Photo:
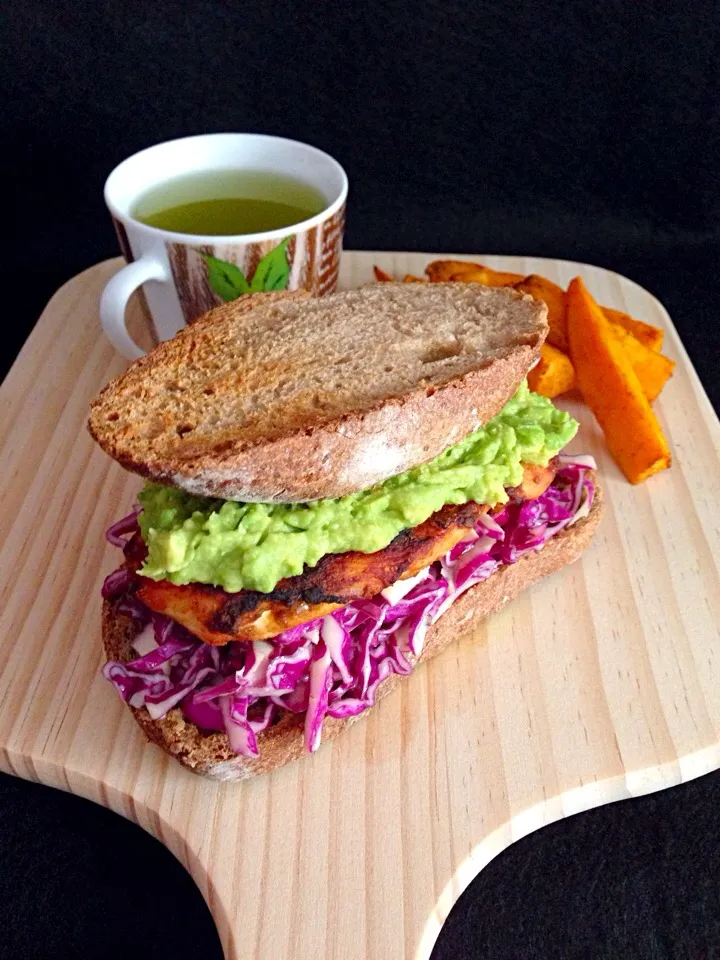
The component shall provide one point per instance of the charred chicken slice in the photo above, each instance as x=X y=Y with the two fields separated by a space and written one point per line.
x=218 y=617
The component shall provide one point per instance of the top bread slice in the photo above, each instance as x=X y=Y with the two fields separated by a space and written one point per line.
x=297 y=398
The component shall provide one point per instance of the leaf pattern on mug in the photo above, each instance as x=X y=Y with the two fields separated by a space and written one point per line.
x=229 y=282
x=273 y=271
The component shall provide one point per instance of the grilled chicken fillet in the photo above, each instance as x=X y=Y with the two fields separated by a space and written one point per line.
x=217 y=617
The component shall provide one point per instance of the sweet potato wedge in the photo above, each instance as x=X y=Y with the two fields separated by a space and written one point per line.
x=652 y=369
x=554 y=374
x=540 y=288
x=381 y=276
x=487 y=277
x=612 y=390
x=443 y=270
x=646 y=333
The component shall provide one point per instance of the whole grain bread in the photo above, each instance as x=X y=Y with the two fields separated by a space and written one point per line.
x=293 y=399
x=211 y=755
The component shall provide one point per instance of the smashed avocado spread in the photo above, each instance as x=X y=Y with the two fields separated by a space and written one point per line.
x=252 y=546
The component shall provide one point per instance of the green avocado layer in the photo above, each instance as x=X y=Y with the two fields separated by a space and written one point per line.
x=252 y=546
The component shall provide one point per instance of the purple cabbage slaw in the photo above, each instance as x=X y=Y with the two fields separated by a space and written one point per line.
x=330 y=667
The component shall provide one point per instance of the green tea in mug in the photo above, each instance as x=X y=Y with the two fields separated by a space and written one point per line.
x=224 y=203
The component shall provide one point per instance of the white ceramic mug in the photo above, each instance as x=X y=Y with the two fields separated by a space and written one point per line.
x=184 y=275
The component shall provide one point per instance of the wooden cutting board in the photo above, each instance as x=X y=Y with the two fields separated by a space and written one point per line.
x=603 y=682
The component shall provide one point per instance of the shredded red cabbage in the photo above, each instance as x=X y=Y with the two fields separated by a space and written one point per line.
x=128 y=525
x=330 y=667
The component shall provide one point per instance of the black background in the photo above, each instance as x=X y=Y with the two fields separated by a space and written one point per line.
x=579 y=130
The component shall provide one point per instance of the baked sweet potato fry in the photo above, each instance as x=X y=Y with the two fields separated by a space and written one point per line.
x=612 y=390
x=554 y=374
x=540 y=288
x=487 y=277
x=443 y=270
x=646 y=333
x=381 y=276
x=652 y=369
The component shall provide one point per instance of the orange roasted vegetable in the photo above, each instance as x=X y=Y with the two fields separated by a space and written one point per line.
x=382 y=276
x=554 y=296
x=554 y=374
x=439 y=270
x=540 y=288
x=646 y=333
x=652 y=369
x=612 y=390
x=487 y=277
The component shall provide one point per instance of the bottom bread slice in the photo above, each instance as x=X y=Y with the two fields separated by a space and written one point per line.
x=210 y=754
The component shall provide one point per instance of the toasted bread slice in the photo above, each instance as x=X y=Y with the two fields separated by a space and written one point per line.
x=297 y=399
x=211 y=755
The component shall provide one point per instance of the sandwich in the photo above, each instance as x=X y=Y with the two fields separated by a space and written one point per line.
x=334 y=489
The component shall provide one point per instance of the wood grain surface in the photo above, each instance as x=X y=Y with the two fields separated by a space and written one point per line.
x=600 y=683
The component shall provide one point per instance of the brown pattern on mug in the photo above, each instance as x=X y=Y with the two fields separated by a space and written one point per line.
x=190 y=275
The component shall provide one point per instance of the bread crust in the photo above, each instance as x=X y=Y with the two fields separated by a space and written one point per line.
x=319 y=447
x=210 y=755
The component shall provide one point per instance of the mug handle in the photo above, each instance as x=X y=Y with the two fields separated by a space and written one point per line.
x=114 y=300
